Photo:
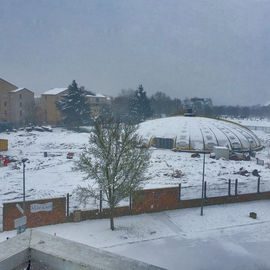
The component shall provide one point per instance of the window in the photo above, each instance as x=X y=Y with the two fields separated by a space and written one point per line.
x=5 y=104
x=20 y=96
x=20 y=113
x=5 y=113
x=20 y=104
x=97 y=99
x=166 y=143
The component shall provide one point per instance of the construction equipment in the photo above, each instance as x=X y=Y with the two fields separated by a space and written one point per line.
x=3 y=145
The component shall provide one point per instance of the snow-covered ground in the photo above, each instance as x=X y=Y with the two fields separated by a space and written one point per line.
x=225 y=237
x=53 y=176
x=252 y=122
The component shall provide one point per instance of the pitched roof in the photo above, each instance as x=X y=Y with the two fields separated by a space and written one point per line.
x=55 y=91
x=20 y=89
x=17 y=90
x=7 y=82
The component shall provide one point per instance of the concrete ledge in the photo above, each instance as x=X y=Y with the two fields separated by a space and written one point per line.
x=61 y=254
x=14 y=260
x=14 y=251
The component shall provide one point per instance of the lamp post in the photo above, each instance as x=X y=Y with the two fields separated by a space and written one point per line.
x=202 y=184
x=24 y=206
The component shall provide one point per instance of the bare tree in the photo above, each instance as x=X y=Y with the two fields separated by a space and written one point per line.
x=116 y=159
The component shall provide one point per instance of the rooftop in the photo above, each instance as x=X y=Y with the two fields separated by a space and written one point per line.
x=55 y=91
x=200 y=133
x=17 y=90
x=49 y=251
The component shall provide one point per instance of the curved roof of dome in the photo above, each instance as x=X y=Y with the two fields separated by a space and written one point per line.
x=199 y=133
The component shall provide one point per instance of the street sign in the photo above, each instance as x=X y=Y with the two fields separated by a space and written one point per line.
x=20 y=222
x=19 y=208
x=37 y=207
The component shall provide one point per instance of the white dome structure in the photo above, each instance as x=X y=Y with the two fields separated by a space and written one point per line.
x=198 y=134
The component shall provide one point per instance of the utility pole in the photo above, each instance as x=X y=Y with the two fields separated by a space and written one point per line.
x=23 y=227
x=203 y=184
x=24 y=206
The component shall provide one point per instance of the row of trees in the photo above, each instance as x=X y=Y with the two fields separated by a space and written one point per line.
x=135 y=106
x=76 y=110
x=160 y=104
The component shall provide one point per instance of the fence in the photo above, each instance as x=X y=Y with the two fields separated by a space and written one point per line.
x=152 y=200
x=222 y=189
x=1 y=218
x=263 y=128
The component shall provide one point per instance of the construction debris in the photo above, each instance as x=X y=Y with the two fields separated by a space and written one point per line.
x=242 y=172
x=255 y=173
x=70 y=155
x=177 y=174
x=253 y=215
x=260 y=161
x=195 y=155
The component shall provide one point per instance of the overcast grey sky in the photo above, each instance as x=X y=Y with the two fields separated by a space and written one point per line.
x=186 y=48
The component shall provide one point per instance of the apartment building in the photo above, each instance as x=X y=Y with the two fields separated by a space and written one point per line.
x=52 y=115
x=16 y=104
x=97 y=102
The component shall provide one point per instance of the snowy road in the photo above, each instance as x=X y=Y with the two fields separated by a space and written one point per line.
x=224 y=238
x=179 y=253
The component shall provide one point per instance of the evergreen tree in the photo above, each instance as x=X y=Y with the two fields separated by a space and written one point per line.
x=139 y=107
x=74 y=107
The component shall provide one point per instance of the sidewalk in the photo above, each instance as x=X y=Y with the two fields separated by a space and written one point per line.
x=225 y=237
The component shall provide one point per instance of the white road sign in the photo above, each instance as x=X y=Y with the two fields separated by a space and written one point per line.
x=20 y=222
x=36 y=207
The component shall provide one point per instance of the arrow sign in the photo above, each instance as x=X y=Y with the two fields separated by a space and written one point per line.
x=19 y=208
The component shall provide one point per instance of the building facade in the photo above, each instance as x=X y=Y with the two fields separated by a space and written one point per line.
x=97 y=103
x=51 y=114
x=16 y=104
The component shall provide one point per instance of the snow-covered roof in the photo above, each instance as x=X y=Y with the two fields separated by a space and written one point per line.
x=20 y=89
x=200 y=133
x=55 y=91
x=17 y=90
x=96 y=95
x=100 y=95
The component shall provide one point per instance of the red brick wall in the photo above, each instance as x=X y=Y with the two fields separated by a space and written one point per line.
x=155 y=200
x=94 y=214
x=167 y=199
x=57 y=215
x=151 y=200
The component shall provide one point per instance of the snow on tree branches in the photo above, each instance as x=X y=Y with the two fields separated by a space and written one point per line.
x=74 y=107
x=116 y=159
x=140 y=108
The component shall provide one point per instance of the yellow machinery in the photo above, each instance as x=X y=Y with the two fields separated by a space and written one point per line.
x=3 y=145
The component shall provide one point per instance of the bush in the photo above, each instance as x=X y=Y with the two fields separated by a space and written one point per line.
x=4 y=126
